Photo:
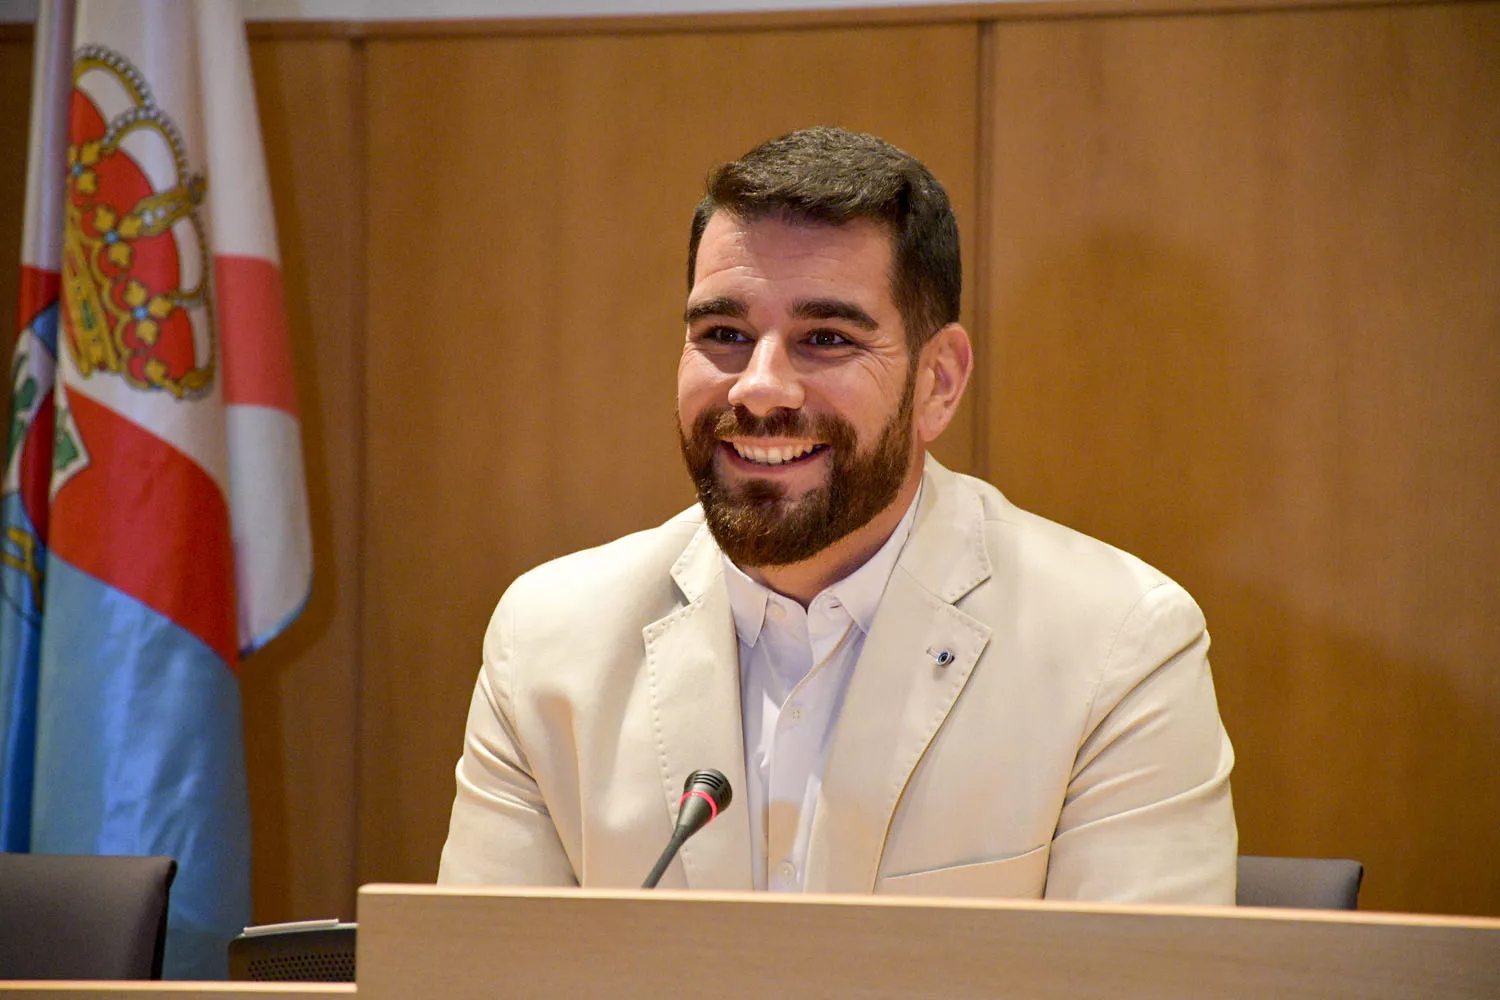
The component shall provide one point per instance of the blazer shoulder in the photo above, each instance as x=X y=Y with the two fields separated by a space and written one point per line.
x=1065 y=566
x=632 y=574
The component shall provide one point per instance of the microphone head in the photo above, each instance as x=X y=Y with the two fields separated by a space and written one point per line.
x=711 y=783
x=705 y=794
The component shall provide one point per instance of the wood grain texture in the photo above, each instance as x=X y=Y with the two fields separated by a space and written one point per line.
x=528 y=217
x=1243 y=276
x=300 y=692
x=418 y=942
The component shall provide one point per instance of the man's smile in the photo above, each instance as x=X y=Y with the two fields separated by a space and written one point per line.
x=768 y=453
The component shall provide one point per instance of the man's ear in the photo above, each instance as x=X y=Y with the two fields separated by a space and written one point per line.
x=942 y=375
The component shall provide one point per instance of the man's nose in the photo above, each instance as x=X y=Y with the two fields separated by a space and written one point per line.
x=769 y=381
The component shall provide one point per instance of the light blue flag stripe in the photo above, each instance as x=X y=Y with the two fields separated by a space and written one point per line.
x=140 y=751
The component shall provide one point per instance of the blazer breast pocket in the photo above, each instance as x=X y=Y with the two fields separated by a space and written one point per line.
x=1021 y=877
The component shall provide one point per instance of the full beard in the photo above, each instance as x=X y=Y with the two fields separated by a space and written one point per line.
x=755 y=523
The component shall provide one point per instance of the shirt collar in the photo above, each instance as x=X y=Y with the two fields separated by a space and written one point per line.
x=859 y=592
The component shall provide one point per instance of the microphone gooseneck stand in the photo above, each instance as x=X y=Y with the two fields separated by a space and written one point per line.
x=705 y=794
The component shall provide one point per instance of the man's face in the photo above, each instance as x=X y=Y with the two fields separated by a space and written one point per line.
x=794 y=392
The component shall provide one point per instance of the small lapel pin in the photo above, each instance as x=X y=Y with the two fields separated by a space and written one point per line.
x=942 y=657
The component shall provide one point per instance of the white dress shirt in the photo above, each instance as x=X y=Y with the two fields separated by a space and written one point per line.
x=795 y=666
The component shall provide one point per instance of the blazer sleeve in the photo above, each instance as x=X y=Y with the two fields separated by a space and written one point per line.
x=1147 y=815
x=500 y=832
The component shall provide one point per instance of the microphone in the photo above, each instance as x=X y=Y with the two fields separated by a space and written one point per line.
x=705 y=794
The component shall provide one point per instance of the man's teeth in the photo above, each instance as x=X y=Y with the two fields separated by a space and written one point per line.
x=773 y=456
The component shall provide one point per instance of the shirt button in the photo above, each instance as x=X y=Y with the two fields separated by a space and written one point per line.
x=775 y=612
x=786 y=871
x=794 y=713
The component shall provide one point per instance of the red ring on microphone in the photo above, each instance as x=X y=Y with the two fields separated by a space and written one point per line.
x=712 y=805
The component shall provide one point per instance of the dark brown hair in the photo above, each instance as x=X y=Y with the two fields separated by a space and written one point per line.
x=832 y=176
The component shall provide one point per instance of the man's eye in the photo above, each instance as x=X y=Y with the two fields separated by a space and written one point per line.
x=826 y=338
x=723 y=335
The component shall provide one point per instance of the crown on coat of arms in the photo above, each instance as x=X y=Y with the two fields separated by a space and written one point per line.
x=135 y=257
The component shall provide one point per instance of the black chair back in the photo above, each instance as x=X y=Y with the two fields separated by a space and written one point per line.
x=1299 y=883
x=83 y=916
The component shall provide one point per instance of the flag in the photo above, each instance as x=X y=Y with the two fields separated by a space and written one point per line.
x=155 y=524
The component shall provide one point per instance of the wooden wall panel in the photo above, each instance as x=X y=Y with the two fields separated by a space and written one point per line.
x=300 y=692
x=528 y=211
x=1244 y=276
x=15 y=114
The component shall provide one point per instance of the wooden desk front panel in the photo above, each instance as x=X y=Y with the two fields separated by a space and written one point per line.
x=418 y=942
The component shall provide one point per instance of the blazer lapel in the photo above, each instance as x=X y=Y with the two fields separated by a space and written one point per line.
x=692 y=663
x=915 y=662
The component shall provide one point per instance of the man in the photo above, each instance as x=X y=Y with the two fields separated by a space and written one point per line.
x=913 y=686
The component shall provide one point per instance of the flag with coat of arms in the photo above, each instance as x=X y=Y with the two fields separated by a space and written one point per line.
x=153 y=519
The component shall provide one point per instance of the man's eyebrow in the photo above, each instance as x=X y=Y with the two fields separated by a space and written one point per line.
x=834 y=309
x=721 y=306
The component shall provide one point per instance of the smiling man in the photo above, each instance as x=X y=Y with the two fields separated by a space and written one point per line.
x=913 y=686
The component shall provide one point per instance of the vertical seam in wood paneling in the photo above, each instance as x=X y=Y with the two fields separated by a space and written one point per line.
x=359 y=114
x=984 y=155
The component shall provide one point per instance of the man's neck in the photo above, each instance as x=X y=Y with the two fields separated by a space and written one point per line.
x=805 y=580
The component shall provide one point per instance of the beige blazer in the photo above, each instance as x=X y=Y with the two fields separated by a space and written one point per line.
x=1071 y=747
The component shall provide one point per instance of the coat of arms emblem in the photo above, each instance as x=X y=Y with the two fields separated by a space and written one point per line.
x=135 y=286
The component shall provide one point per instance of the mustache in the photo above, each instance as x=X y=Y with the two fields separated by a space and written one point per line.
x=737 y=421
x=731 y=422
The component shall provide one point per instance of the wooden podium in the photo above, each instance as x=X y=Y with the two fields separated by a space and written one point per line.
x=451 y=944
